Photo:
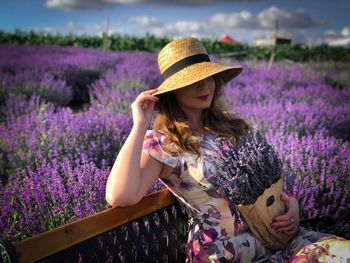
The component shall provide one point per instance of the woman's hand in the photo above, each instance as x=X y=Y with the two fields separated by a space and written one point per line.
x=287 y=223
x=142 y=107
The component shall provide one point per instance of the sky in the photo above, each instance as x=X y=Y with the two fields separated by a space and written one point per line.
x=305 y=21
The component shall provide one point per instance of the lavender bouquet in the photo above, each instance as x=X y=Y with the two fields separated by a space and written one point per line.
x=250 y=175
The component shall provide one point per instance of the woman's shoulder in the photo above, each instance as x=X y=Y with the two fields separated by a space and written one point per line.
x=156 y=134
x=159 y=137
x=161 y=148
x=154 y=131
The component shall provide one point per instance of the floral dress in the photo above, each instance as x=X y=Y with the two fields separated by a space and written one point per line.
x=218 y=233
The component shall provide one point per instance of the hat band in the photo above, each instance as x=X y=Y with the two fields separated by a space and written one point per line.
x=183 y=63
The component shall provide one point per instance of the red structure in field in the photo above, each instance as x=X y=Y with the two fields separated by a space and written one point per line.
x=228 y=39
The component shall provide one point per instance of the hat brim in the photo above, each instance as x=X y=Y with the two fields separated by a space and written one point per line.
x=197 y=72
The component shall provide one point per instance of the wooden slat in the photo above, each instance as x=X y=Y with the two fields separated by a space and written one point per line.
x=55 y=240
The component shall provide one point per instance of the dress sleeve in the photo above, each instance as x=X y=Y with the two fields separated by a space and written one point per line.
x=154 y=144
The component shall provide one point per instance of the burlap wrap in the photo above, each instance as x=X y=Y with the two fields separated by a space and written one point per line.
x=259 y=216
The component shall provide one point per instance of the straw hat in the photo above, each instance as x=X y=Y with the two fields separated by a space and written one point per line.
x=185 y=61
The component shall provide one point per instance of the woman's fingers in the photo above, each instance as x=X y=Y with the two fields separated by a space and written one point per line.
x=286 y=225
x=283 y=223
x=145 y=101
x=142 y=107
x=280 y=224
x=150 y=91
x=290 y=218
x=148 y=96
x=289 y=227
x=289 y=213
x=289 y=221
x=144 y=98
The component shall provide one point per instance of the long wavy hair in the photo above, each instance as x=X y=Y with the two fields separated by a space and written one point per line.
x=171 y=120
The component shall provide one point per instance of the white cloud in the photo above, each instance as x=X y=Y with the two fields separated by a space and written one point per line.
x=145 y=21
x=183 y=28
x=346 y=31
x=313 y=38
x=68 y=5
x=170 y=2
x=100 y=4
x=244 y=26
x=48 y=30
x=331 y=33
x=287 y=18
x=243 y=19
x=341 y=38
x=188 y=26
x=92 y=29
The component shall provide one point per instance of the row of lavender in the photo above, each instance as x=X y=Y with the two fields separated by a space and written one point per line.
x=54 y=162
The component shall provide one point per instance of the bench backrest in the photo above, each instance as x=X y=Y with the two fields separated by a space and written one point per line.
x=154 y=230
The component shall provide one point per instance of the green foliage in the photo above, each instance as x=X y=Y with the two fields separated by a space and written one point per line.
x=127 y=83
x=115 y=42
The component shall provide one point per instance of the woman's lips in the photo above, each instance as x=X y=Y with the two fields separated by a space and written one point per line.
x=205 y=97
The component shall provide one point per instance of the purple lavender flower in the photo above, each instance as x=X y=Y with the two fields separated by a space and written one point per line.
x=41 y=144
x=247 y=169
x=32 y=81
x=57 y=192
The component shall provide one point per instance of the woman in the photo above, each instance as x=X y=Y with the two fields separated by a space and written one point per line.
x=183 y=149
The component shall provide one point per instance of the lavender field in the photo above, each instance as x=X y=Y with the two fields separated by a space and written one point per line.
x=55 y=157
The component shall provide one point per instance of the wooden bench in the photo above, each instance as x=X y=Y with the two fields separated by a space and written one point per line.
x=154 y=230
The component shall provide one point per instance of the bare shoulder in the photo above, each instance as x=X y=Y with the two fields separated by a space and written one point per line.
x=166 y=171
x=154 y=168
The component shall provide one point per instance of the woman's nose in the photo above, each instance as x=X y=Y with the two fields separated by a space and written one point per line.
x=202 y=84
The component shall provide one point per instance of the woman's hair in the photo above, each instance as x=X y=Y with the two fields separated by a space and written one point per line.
x=171 y=120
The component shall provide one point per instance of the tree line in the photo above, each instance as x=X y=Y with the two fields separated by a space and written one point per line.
x=150 y=43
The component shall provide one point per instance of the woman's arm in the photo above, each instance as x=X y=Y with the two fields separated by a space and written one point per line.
x=287 y=223
x=126 y=177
